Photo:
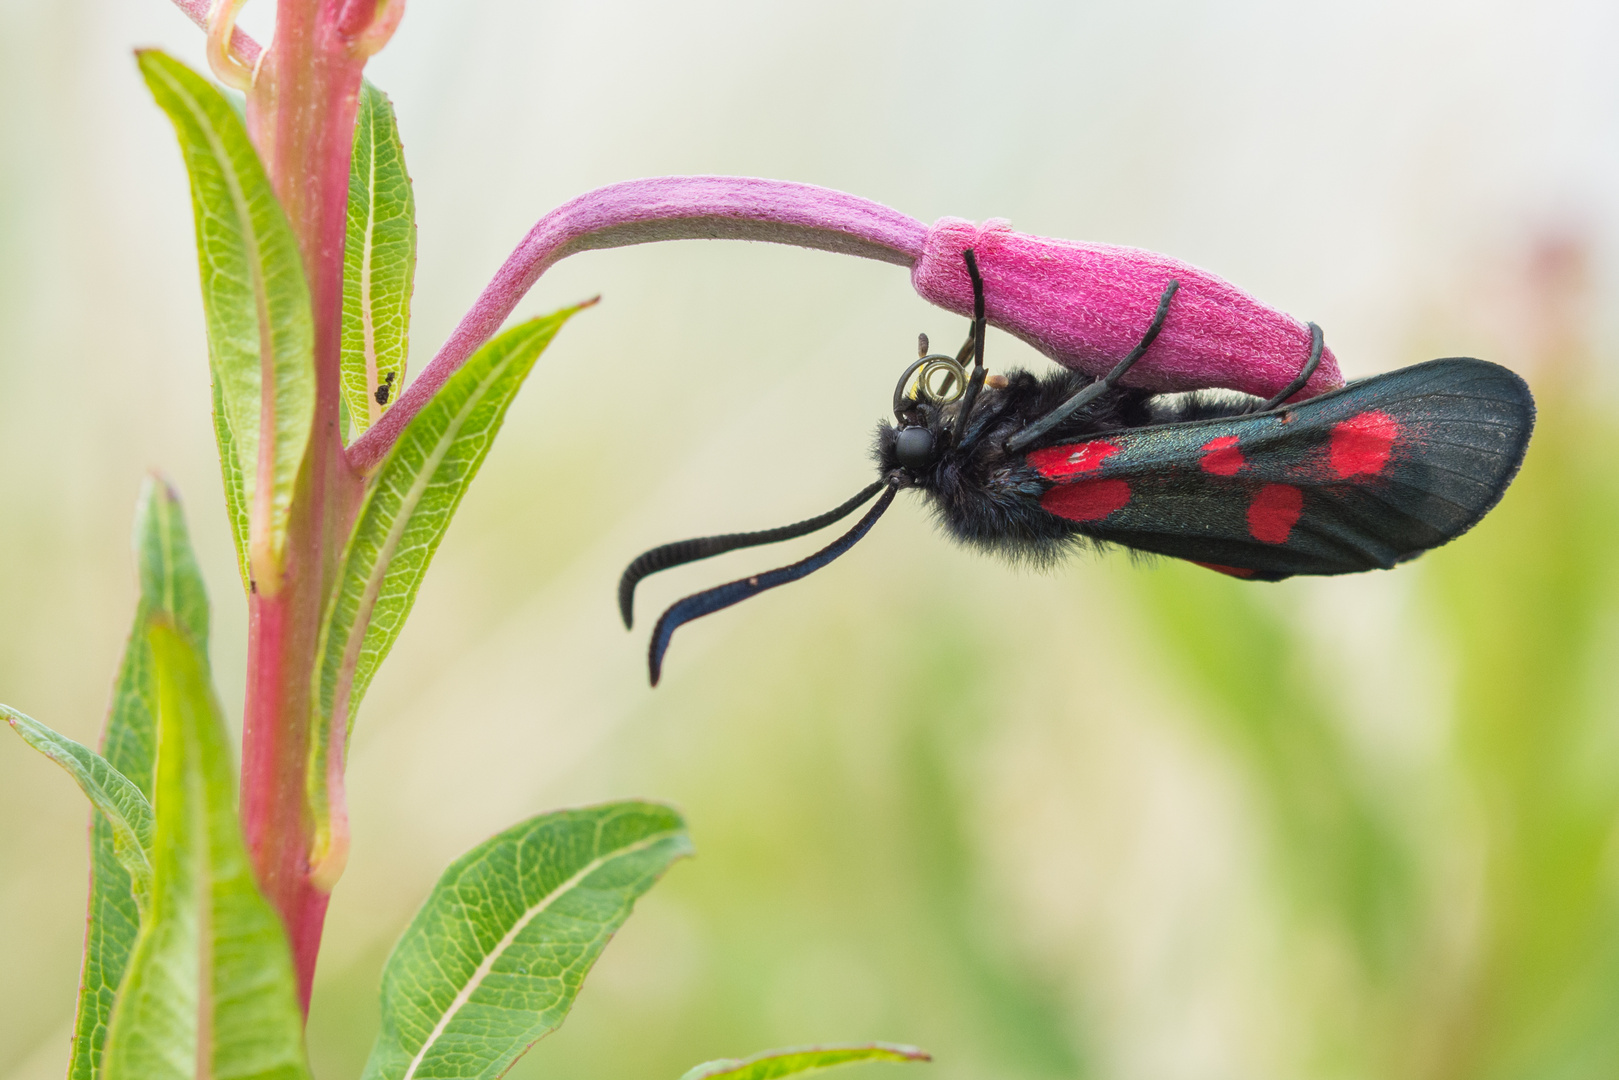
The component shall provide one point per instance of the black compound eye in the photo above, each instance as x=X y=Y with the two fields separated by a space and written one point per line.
x=913 y=446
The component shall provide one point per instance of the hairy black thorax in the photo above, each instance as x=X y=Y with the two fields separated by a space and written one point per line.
x=988 y=498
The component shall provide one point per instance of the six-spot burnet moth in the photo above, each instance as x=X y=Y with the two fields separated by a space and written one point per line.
x=1360 y=478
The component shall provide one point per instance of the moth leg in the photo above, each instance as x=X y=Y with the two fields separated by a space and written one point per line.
x=1297 y=384
x=1101 y=386
x=975 y=339
x=966 y=349
x=975 y=332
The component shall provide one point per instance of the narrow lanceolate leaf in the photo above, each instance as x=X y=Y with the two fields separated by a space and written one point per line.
x=119 y=801
x=406 y=513
x=255 y=299
x=119 y=780
x=379 y=263
x=775 y=1063
x=171 y=583
x=210 y=990
x=496 y=956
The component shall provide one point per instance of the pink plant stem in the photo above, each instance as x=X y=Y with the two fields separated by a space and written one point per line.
x=642 y=212
x=242 y=45
x=274 y=810
x=301 y=114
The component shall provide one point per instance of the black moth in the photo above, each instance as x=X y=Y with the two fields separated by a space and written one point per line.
x=1360 y=478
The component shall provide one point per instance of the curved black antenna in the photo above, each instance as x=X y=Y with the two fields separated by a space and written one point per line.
x=927 y=363
x=901 y=402
x=1028 y=435
x=721 y=597
x=976 y=383
x=1304 y=376
x=703 y=547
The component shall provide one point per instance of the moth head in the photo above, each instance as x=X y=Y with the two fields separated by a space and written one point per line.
x=915 y=447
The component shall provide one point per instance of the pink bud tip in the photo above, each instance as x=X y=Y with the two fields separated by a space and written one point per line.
x=1087 y=305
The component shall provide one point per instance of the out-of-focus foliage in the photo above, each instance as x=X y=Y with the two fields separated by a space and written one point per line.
x=1533 y=612
x=778 y=1063
x=1509 y=967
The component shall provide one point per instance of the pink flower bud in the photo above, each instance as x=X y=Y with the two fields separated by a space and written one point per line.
x=1087 y=305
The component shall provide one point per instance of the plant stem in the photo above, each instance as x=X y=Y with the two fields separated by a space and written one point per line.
x=241 y=44
x=301 y=113
x=641 y=212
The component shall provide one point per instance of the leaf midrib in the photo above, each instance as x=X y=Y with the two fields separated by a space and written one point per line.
x=368 y=330
x=494 y=954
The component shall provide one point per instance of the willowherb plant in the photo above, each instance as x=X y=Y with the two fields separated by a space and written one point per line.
x=207 y=903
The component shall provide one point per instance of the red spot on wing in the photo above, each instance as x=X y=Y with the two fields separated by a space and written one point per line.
x=1221 y=456
x=1361 y=444
x=1088 y=500
x=1060 y=462
x=1234 y=571
x=1274 y=512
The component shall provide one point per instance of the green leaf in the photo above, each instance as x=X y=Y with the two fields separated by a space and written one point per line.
x=379 y=263
x=171 y=582
x=119 y=781
x=775 y=1063
x=110 y=791
x=210 y=990
x=171 y=585
x=235 y=487
x=256 y=304
x=494 y=959
x=406 y=513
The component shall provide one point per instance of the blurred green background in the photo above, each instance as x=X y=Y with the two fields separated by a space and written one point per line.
x=1123 y=820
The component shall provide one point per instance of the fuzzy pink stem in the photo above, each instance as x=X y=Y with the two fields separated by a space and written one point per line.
x=641 y=212
x=301 y=115
x=242 y=45
x=1083 y=305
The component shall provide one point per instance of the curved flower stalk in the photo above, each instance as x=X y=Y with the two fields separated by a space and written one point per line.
x=242 y=46
x=1083 y=305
